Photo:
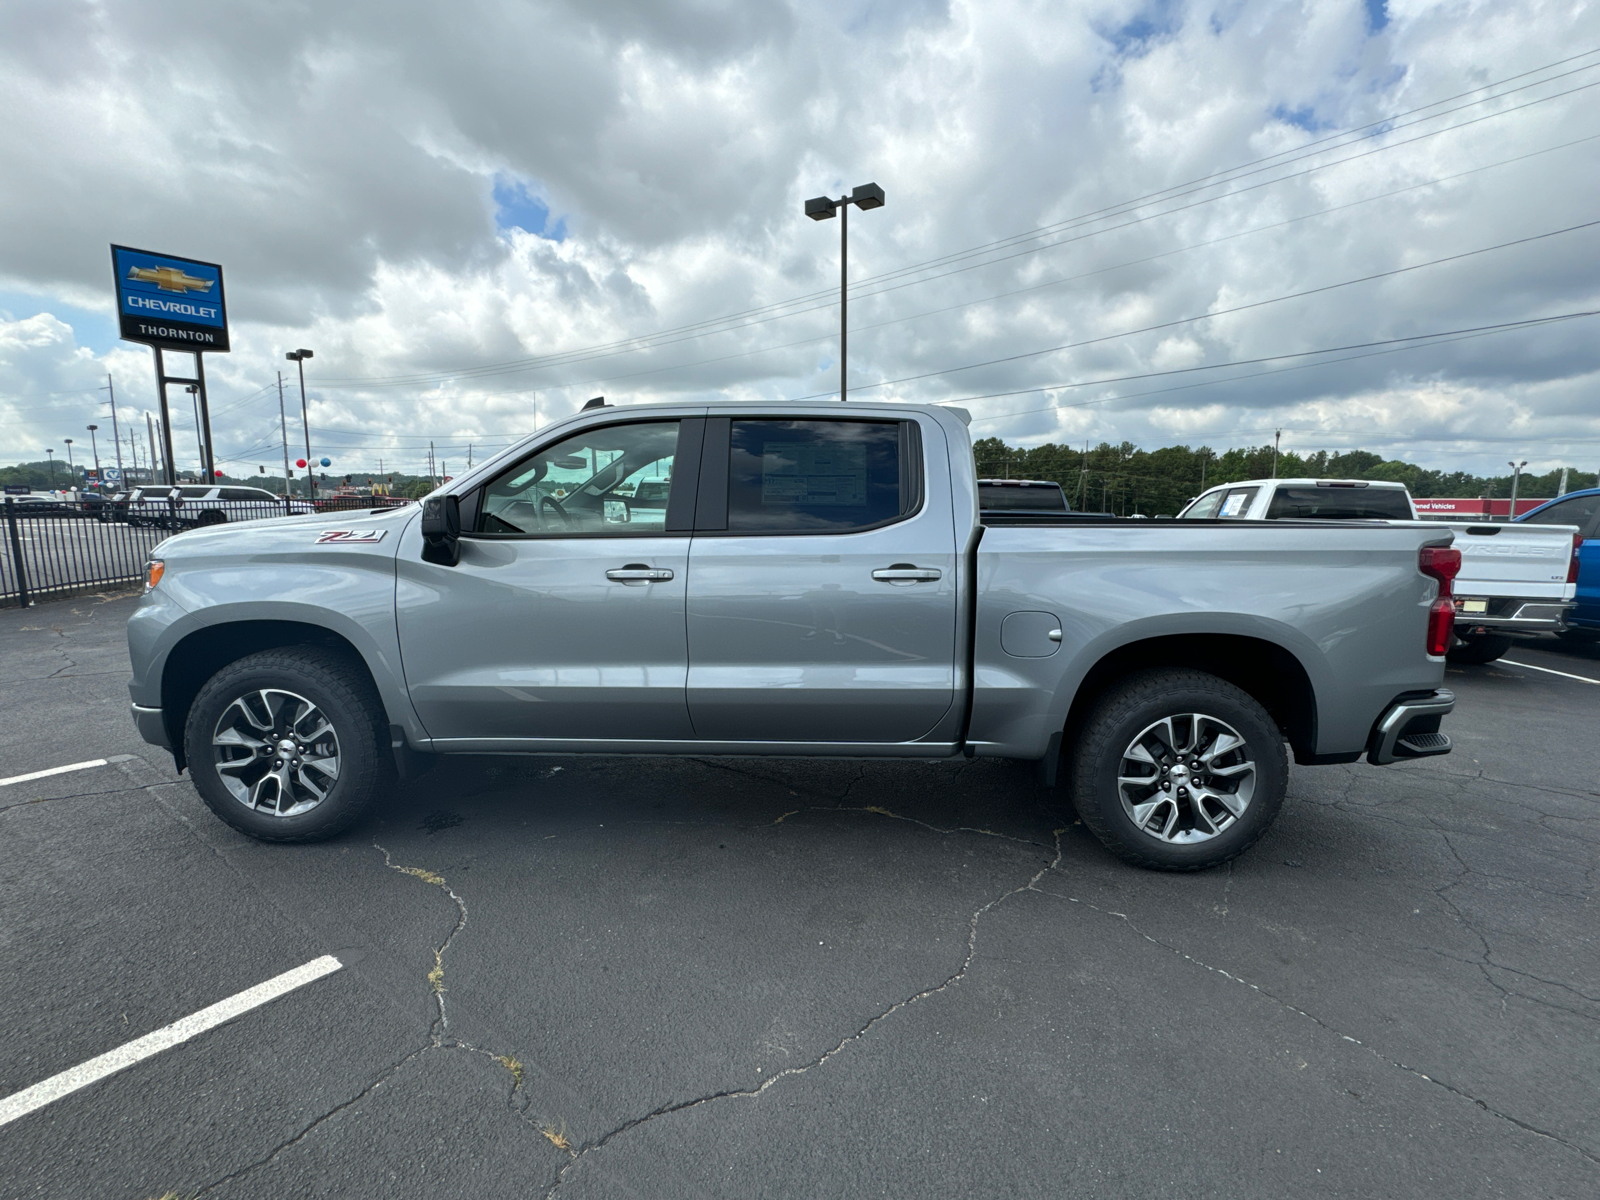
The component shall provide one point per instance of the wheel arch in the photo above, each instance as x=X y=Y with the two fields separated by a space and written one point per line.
x=1264 y=670
x=202 y=653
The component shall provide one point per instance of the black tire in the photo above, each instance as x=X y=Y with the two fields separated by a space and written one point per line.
x=1132 y=706
x=212 y=516
x=340 y=688
x=1473 y=649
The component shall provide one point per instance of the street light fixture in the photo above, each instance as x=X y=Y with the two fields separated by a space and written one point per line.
x=72 y=471
x=51 y=455
x=298 y=357
x=823 y=208
x=95 y=445
x=1516 y=478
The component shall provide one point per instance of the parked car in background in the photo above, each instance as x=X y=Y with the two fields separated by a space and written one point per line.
x=197 y=504
x=1514 y=579
x=1582 y=510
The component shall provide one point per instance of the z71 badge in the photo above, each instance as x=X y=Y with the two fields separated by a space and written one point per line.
x=328 y=536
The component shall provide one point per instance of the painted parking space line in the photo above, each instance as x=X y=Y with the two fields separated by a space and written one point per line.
x=1531 y=667
x=78 y=766
x=26 y=1101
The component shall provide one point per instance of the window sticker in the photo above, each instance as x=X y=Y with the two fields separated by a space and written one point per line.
x=1234 y=504
x=829 y=474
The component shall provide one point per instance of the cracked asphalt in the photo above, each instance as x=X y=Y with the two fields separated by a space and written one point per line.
x=625 y=977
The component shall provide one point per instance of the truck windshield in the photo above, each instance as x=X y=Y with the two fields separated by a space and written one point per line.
x=1340 y=504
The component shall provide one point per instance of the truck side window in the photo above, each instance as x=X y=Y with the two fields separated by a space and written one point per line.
x=819 y=476
x=1204 y=508
x=1579 y=511
x=608 y=481
x=1237 y=502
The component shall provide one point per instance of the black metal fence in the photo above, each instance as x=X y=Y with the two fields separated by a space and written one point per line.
x=53 y=548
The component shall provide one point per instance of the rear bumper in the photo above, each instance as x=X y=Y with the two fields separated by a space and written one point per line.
x=1514 y=616
x=1409 y=728
x=152 y=725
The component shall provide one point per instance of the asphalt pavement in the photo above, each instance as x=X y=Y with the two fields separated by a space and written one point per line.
x=640 y=977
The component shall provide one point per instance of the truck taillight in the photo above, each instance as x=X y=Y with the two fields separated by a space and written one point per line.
x=1442 y=563
x=1572 y=567
x=1441 y=626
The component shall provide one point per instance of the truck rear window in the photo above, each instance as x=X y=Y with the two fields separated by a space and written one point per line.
x=996 y=496
x=1340 y=504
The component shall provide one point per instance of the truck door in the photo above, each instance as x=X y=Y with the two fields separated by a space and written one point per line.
x=822 y=582
x=564 y=618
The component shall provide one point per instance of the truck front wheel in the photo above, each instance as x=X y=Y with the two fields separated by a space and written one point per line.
x=1177 y=770
x=288 y=745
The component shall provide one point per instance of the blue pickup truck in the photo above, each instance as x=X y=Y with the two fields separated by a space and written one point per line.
x=1583 y=510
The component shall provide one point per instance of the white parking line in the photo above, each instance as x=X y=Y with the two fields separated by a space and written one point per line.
x=82 y=1075
x=1546 y=670
x=83 y=766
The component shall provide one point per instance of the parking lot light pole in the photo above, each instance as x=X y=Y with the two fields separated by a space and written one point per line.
x=95 y=446
x=72 y=471
x=298 y=357
x=824 y=208
x=51 y=455
x=1516 y=478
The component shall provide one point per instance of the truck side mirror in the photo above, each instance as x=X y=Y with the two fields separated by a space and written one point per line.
x=441 y=530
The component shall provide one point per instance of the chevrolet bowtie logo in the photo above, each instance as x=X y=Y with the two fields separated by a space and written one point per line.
x=169 y=279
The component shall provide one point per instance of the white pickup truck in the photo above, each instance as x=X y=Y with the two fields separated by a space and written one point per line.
x=1515 y=579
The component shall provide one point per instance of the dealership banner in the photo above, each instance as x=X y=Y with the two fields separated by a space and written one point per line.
x=1475 y=507
x=175 y=303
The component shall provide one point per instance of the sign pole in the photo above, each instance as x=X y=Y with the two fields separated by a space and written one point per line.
x=205 y=417
x=168 y=467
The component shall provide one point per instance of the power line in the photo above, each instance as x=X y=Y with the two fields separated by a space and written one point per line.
x=649 y=341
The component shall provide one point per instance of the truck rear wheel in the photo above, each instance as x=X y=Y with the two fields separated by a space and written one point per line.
x=288 y=745
x=1177 y=770
x=1475 y=648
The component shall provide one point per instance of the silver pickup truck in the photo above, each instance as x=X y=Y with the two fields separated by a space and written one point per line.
x=788 y=579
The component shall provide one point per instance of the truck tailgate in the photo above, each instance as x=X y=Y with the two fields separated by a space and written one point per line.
x=1526 y=561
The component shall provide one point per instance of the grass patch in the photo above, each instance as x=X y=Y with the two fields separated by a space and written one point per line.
x=511 y=1064
x=557 y=1137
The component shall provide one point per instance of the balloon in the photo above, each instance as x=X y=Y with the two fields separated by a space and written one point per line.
x=327 y=462
x=299 y=462
x=219 y=474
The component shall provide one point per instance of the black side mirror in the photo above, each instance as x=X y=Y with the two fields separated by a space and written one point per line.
x=441 y=530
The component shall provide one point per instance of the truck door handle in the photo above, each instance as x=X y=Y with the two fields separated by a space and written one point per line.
x=906 y=573
x=639 y=573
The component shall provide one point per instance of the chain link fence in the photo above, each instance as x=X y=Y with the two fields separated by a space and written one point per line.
x=51 y=547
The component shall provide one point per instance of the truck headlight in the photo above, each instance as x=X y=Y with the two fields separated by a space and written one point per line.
x=153 y=570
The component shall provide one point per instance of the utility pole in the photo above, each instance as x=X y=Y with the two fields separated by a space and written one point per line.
x=116 y=435
x=283 y=428
x=1275 y=439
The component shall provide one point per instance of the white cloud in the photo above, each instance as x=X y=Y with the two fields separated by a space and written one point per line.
x=341 y=162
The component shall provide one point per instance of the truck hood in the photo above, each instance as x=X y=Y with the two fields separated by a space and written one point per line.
x=368 y=531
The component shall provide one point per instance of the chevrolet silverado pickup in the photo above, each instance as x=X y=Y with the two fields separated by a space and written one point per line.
x=1514 y=580
x=785 y=580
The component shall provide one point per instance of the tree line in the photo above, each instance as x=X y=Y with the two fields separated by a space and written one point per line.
x=1126 y=480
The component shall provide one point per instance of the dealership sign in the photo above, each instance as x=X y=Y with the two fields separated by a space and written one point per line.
x=176 y=303
x=1474 y=507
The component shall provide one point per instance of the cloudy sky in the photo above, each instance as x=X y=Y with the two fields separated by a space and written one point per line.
x=1106 y=220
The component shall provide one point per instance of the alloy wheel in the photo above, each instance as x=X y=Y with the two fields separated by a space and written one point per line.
x=1186 y=778
x=276 y=752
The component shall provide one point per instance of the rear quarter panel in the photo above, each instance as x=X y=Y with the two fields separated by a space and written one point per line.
x=1345 y=599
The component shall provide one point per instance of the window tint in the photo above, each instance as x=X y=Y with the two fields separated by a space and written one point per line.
x=194 y=493
x=1237 y=501
x=1340 y=504
x=1579 y=511
x=613 y=480
x=1018 y=498
x=243 y=493
x=813 y=476
x=1204 y=508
